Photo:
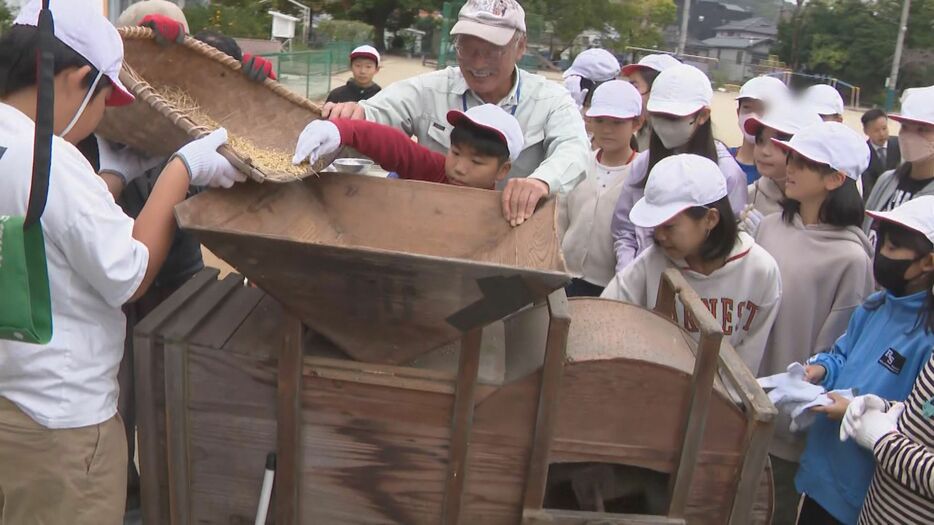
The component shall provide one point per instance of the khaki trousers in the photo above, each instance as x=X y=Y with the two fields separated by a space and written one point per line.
x=74 y=476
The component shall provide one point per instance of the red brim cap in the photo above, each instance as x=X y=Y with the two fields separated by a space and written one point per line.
x=456 y=117
x=786 y=147
x=119 y=96
x=371 y=56
x=753 y=125
x=632 y=68
x=907 y=120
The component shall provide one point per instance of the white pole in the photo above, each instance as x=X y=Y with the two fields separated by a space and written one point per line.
x=266 y=492
x=896 y=60
x=685 y=17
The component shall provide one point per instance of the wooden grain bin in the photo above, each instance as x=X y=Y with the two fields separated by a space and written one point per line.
x=214 y=364
x=386 y=269
x=266 y=114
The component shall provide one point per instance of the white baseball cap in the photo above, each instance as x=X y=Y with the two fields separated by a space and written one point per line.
x=495 y=21
x=825 y=99
x=786 y=116
x=493 y=118
x=831 y=143
x=366 y=52
x=595 y=64
x=765 y=88
x=78 y=26
x=916 y=214
x=675 y=184
x=658 y=62
x=680 y=90
x=616 y=99
x=917 y=106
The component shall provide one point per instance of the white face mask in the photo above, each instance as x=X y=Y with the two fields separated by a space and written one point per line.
x=743 y=117
x=674 y=133
x=914 y=147
x=84 y=104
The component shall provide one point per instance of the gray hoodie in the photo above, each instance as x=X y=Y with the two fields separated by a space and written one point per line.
x=882 y=192
x=826 y=273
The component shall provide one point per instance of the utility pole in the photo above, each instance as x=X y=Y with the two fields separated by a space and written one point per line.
x=685 y=17
x=897 y=58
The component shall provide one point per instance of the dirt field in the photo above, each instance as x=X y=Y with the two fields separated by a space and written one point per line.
x=723 y=108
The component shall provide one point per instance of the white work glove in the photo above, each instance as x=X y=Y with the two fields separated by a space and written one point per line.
x=866 y=423
x=123 y=161
x=318 y=139
x=573 y=85
x=750 y=219
x=206 y=166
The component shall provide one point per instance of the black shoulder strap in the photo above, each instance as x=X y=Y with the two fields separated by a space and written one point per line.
x=45 y=109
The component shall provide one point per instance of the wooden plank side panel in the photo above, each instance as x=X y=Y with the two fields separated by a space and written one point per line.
x=150 y=418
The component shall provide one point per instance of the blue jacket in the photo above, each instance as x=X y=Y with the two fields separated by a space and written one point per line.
x=882 y=352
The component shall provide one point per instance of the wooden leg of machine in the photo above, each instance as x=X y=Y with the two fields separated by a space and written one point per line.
x=461 y=425
x=559 y=325
x=289 y=427
x=706 y=363
x=176 y=431
x=757 y=453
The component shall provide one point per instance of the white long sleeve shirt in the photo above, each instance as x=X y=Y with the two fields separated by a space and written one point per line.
x=743 y=295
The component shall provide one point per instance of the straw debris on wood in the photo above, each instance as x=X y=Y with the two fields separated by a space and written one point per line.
x=270 y=161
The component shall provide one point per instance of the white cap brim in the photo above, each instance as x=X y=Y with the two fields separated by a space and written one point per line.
x=669 y=107
x=908 y=120
x=892 y=217
x=608 y=111
x=645 y=215
x=499 y=36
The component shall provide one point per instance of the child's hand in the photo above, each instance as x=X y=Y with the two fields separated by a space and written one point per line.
x=520 y=198
x=257 y=68
x=319 y=138
x=814 y=373
x=167 y=29
x=837 y=410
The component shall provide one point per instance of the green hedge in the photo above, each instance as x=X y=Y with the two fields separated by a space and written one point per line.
x=344 y=31
x=244 y=22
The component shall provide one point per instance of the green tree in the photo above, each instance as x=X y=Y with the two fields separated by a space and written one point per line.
x=6 y=17
x=381 y=14
x=854 y=40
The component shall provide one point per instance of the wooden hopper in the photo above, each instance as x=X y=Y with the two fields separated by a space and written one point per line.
x=265 y=118
x=386 y=269
x=219 y=385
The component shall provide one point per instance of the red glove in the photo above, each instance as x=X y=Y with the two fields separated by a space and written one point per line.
x=167 y=29
x=257 y=68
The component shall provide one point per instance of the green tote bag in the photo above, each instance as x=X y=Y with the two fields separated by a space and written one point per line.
x=25 y=300
x=25 y=306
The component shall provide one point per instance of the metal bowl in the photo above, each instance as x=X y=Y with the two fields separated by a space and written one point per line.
x=353 y=165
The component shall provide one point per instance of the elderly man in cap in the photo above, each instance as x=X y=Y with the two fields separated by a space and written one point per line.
x=489 y=38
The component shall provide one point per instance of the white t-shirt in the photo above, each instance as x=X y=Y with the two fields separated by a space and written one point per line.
x=743 y=295
x=94 y=266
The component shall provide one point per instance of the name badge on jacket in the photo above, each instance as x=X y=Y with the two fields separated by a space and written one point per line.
x=893 y=361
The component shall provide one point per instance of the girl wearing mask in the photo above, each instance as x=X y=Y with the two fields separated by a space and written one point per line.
x=755 y=98
x=679 y=106
x=915 y=177
x=781 y=122
x=886 y=345
x=687 y=208
x=642 y=76
x=584 y=216
x=824 y=259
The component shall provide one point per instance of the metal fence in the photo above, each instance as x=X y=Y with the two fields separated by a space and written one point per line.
x=309 y=73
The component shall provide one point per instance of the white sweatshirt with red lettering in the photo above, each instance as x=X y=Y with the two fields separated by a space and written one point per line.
x=743 y=295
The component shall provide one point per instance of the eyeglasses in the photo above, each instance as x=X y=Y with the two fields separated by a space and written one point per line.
x=491 y=53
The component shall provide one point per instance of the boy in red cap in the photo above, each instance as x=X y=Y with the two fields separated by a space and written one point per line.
x=364 y=63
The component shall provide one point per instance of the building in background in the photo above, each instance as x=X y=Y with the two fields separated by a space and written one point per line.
x=739 y=46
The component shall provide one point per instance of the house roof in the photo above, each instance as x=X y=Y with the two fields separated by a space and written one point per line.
x=751 y=25
x=733 y=42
